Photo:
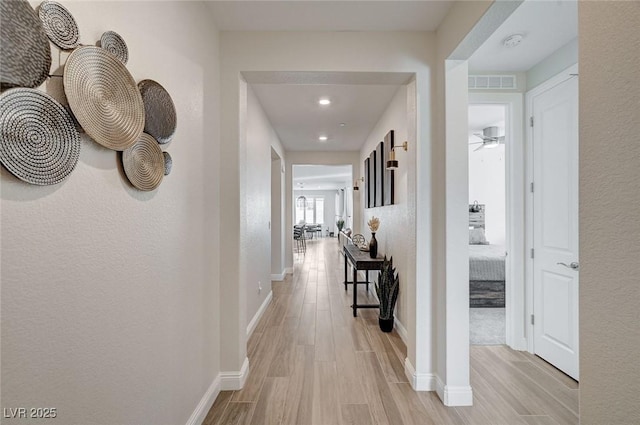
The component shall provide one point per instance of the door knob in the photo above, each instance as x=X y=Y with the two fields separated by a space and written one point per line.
x=575 y=265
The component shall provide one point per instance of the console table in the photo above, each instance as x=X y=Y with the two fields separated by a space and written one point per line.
x=360 y=261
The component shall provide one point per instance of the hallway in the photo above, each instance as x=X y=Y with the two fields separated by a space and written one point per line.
x=311 y=362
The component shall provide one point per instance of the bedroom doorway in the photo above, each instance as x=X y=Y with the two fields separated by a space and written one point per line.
x=496 y=223
x=487 y=224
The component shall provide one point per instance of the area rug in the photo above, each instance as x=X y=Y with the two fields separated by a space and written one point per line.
x=487 y=326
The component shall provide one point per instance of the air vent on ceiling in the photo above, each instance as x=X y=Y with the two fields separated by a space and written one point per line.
x=492 y=82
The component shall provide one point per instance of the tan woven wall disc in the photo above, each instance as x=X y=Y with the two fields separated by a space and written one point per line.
x=144 y=163
x=104 y=97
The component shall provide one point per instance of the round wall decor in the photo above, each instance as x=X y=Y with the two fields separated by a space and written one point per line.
x=103 y=97
x=24 y=47
x=159 y=111
x=168 y=163
x=39 y=142
x=114 y=44
x=59 y=24
x=144 y=163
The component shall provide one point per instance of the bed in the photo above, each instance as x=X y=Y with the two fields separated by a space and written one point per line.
x=486 y=264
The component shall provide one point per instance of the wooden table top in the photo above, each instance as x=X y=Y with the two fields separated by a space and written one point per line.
x=361 y=259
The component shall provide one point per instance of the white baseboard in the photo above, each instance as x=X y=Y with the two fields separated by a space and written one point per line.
x=256 y=317
x=520 y=346
x=278 y=277
x=288 y=270
x=419 y=381
x=454 y=396
x=402 y=331
x=232 y=381
x=199 y=415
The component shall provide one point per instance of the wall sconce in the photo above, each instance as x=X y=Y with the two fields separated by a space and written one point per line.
x=355 y=184
x=392 y=163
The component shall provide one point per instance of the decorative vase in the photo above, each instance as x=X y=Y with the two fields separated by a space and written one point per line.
x=373 y=246
x=386 y=325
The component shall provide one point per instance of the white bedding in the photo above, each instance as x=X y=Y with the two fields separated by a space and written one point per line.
x=486 y=262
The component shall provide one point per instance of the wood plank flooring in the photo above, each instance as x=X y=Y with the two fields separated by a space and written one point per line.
x=313 y=363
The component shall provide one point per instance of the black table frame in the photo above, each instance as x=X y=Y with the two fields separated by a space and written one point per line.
x=359 y=261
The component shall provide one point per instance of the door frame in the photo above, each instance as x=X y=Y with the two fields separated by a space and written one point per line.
x=515 y=210
x=559 y=78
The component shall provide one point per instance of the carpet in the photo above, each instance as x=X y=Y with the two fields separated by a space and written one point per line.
x=487 y=326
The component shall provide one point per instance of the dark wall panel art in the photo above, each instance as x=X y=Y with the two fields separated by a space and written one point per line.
x=388 y=174
x=366 y=183
x=372 y=179
x=380 y=169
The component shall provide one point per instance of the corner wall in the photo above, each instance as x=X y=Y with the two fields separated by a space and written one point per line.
x=110 y=296
x=609 y=205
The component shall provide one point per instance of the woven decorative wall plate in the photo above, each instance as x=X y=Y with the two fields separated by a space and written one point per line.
x=39 y=142
x=59 y=25
x=159 y=111
x=168 y=163
x=103 y=97
x=114 y=44
x=144 y=163
x=24 y=47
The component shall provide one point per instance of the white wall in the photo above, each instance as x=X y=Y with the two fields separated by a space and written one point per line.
x=553 y=64
x=255 y=255
x=110 y=296
x=397 y=233
x=277 y=217
x=487 y=186
x=329 y=206
x=609 y=205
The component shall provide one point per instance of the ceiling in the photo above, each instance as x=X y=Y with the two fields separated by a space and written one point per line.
x=545 y=25
x=299 y=120
x=321 y=177
x=328 y=15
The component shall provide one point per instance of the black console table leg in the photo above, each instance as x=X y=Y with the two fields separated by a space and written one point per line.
x=367 y=272
x=345 y=271
x=355 y=292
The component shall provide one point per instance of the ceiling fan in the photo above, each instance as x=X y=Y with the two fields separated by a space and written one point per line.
x=490 y=138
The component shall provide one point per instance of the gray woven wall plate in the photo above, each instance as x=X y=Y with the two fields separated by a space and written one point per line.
x=168 y=163
x=114 y=44
x=143 y=163
x=159 y=111
x=59 y=24
x=24 y=47
x=103 y=97
x=38 y=140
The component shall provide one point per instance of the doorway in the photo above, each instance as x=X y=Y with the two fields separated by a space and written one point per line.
x=487 y=224
x=322 y=199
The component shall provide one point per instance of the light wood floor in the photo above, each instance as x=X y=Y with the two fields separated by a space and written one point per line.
x=312 y=363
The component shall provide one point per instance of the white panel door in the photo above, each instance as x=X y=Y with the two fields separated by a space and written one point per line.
x=555 y=225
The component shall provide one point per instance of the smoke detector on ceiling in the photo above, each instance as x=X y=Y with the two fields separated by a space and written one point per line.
x=513 y=40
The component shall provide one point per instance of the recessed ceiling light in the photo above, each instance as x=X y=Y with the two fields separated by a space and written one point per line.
x=323 y=138
x=512 y=41
x=342 y=124
x=324 y=102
